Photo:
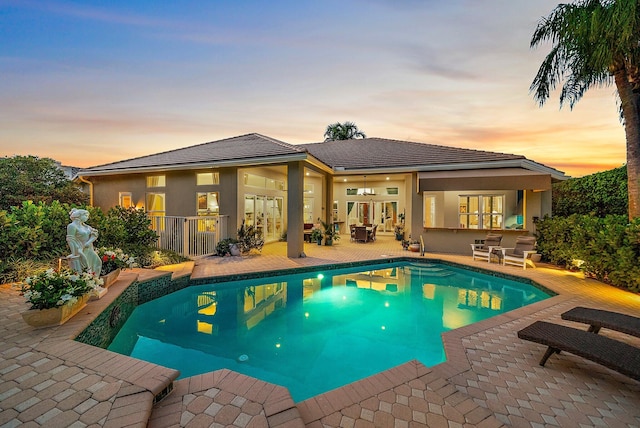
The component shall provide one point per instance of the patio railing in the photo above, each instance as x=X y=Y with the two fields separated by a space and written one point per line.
x=190 y=236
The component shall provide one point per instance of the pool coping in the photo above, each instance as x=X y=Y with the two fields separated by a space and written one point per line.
x=156 y=382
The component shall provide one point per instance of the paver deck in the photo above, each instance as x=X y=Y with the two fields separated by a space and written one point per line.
x=490 y=379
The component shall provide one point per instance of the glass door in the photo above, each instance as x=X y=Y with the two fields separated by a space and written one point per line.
x=385 y=215
x=249 y=210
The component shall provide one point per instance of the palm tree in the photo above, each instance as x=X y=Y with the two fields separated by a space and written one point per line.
x=596 y=43
x=343 y=131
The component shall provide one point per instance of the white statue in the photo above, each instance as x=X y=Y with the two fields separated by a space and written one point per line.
x=80 y=237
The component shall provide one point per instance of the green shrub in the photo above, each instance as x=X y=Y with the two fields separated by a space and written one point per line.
x=17 y=269
x=599 y=194
x=607 y=248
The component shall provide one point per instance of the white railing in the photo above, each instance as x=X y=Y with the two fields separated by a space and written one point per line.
x=189 y=236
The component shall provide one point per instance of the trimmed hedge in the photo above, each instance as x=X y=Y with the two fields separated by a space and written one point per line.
x=606 y=248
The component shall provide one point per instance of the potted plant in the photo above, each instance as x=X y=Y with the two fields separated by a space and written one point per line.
x=113 y=261
x=399 y=231
x=227 y=247
x=55 y=296
x=316 y=235
x=330 y=233
x=249 y=238
x=414 y=246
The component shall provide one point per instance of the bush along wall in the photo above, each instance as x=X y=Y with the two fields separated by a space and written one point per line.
x=605 y=248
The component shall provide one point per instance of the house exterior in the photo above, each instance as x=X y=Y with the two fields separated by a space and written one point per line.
x=449 y=196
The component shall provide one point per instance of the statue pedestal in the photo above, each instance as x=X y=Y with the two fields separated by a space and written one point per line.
x=74 y=263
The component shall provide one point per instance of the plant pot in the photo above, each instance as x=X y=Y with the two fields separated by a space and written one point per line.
x=40 y=318
x=320 y=241
x=328 y=242
x=536 y=257
x=234 y=250
x=110 y=278
x=414 y=248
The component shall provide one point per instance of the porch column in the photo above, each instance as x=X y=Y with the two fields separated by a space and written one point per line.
x=415 y=209
x=229 y=199
x=295 y=209
x=328 y=198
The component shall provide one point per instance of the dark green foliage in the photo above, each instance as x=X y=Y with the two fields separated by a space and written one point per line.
x=605 y=248
x=37 y=232
x=598 y=194
x=249 y=238
x=224 y=246
x=29 y=178
x=343 y=131
x=126 y=228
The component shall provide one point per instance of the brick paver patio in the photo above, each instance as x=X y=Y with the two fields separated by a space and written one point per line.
x=490 y=379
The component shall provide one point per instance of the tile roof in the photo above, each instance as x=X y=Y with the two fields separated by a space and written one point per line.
x=385 y=153
x=241 y=148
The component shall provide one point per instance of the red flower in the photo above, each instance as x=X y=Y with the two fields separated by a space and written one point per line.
x=105 y=258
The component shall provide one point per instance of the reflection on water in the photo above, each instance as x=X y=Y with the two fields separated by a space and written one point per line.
x=315 y=332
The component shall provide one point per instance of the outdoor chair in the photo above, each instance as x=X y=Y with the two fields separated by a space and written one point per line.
x=616 y=355
x=361 y=234
x=521 y=253
x=372 y=234
x=484 y=250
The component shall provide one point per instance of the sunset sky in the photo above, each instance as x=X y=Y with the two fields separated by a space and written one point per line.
x=89 y=83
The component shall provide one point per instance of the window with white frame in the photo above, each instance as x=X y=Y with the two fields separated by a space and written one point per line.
x=156 y=181
x=429 y=212
x=481 y=211
x=208 y=203
x=125 y=199
x=155 y=204
x=207 y=178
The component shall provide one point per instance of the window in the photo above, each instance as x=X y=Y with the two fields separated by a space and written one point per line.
x=208 y=203
x=429 y=211
x=262 y=182
x=207 y=178
x=308 y=210
x=308 y=188
x=481 y=211
x=125 y=199
x=155 y=204
x=156 y=181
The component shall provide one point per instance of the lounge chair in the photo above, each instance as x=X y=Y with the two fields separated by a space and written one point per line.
x=521 y=253
x=598 y=318
x=485 y=250
x=608 y=352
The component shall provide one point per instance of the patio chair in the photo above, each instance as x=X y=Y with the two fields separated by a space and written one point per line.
x=598 y=318
x=616 y=355
x=372 y=234
x=484 y=250
x=521 y=253
x=361 y=234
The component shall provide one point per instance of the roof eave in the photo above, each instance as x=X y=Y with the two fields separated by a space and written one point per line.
x=199 y=165
x=509 y=163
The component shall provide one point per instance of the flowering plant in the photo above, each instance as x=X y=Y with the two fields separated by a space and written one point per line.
x=114 y=259
x=51 y=289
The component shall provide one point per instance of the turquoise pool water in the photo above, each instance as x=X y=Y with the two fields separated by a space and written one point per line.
x=314 y=332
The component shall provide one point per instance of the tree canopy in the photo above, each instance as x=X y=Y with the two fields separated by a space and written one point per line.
x=596 y=43
x=599 y=194
x=29 y=178
x=343 y=131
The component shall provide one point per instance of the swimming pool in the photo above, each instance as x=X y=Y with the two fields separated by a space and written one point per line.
x=313 y=332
